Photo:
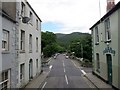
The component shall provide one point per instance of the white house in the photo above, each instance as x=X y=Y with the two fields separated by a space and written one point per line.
x=20 y=43
x=106 y=46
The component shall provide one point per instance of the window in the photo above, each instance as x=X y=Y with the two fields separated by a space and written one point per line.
x=31 y=17
x=5 y=40
x=30 y=43
x=96 y=35
x=107 y=30
x=98 y=61
x=5 y=81
x=36 y=63
x=36 y=24
x=22 y=41
x=23 y=9
x=36 y=44
x=22 y=67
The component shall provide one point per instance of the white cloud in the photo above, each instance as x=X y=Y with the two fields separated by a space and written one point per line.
x=74 y=14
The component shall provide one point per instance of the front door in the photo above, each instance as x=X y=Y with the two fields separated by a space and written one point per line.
x=30 y=69
x=109 y=67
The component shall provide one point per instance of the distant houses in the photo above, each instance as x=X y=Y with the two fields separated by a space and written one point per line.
x=106 y=47
x=20 y=39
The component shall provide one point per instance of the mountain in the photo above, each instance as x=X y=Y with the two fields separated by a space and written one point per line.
x=65 y=39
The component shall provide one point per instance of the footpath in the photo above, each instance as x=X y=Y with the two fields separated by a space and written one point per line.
x=97 y=82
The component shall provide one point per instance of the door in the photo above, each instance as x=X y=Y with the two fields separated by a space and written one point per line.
x=30 y=69
x=109 y=67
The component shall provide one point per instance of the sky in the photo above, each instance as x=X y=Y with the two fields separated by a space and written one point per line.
x=67 y=16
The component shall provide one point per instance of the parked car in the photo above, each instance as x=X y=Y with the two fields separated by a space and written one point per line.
x=66 y=57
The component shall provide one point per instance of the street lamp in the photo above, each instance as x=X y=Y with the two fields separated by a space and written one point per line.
x=81 y=51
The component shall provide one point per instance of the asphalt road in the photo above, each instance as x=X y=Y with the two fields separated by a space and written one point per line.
x=64 y=74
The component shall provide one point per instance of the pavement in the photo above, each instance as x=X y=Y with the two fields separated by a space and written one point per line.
x=98 y=83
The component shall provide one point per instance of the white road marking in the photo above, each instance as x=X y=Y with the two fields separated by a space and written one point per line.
x=44 y=85
x=74 y=64
x=64 y=69
x=66 y=79
x=84 y=73
x=63 y=64
x=50 y=66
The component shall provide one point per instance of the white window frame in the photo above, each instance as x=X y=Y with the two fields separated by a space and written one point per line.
x=30 y=42
x=22 y=41
x=98 y=61
x=22 y=72
x=96 y=35
x=5 y=83
x=37 y=65
x=22 y=9
x=107 y=30
x=31 y=17
x=5 y=40
x=36 y=44
x=37 y=24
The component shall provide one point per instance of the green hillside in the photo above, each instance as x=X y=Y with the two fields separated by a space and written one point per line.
x=65 y=39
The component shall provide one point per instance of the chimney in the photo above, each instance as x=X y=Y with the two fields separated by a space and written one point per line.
x=110 y=5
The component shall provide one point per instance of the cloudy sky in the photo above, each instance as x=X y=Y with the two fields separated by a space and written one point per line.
x=66 y=16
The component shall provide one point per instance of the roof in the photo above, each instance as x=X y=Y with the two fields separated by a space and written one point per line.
x=33 y=10
x=115 y=8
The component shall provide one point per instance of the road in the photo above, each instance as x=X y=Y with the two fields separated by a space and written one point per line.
x=64 y=74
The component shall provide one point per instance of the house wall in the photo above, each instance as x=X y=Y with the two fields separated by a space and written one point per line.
x=24 y=57
x=0 y=44
x=119 y=48
x=100 y=48
x=8 y=57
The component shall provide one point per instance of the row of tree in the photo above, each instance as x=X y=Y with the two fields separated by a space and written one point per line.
x=49 y=44
x=82 y=48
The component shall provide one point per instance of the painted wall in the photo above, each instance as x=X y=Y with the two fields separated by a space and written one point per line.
x=24 y=57
x=8 y=57
x=100 y=48
x=119 y=48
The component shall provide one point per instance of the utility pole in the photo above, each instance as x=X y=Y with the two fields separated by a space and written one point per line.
x=81 y=50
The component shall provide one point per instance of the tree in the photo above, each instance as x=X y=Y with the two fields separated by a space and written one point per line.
x=49 y=44
x=82 y=46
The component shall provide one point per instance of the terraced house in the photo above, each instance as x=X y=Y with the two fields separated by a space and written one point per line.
x=20 y=39
x=106 y=46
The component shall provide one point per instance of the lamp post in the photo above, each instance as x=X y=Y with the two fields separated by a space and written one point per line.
x=81 y=51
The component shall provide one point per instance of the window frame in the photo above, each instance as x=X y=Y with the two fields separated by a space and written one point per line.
x=98 y=62
x=37 y=23
x=31 y=17
x=107 y=30
x=5 y=43
x=23 y=9
x=22 y=41
x=22 y=71
x=37 y=44
x=96 y=36
x=30 y=42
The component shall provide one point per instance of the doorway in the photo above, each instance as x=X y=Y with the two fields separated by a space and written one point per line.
x=109 y=67
x=30 y=69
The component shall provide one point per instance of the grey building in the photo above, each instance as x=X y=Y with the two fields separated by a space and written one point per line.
x=20 y=49
x=7 y=55
x=106 y=47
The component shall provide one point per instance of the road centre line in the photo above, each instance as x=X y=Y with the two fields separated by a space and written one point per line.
x=63 y=64
x=44 y=85
x=64 y=69
x=50 y=67
x=66 y=79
